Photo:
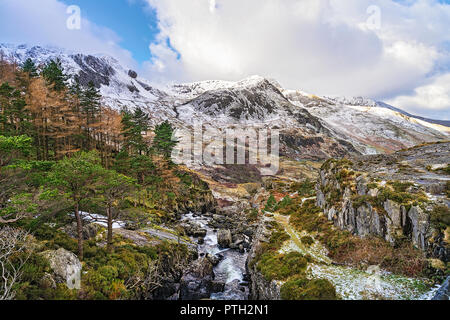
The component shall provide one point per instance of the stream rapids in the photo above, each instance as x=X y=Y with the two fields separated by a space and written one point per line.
x=231 y=270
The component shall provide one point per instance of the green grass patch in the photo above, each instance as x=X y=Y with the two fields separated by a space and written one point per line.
x=300 y=288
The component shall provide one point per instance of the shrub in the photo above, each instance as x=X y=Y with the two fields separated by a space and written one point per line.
x=31 y=286
x=400 y=186
x=300 y=288
x=283 y=203
x=280 y=267
x=307 y=240
x=271 y=203
x=440 y=217
x=305 y=188
x=253 y=214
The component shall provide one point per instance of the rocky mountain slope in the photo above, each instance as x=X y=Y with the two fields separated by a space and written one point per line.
x=311 y=127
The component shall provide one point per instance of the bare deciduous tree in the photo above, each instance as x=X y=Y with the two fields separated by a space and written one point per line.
x=146 y=283
x=14 y=253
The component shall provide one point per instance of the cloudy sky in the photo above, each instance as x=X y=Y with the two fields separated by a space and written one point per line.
x=396 y=51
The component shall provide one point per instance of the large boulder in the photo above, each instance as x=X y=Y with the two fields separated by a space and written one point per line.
x=65 y=265
x=224 y=238
x=90 y=230
x=198 y=281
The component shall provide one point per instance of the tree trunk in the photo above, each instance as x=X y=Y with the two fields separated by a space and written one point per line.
x=79 y=231
x=110 y=229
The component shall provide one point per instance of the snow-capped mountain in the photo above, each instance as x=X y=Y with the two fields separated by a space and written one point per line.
x=369 y=125
x=311 y=127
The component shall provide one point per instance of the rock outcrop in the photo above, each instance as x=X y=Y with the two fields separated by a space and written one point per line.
x=372 y=205
x=261 y=288
x=133 y=74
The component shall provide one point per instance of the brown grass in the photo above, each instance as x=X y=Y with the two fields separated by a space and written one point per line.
x=404 y=259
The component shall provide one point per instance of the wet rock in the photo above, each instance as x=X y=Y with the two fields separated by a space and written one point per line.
x=224 y=238
x=444 y=292
x=199 y=233
x=174 y=297
x=201 y=241
x=217 y=286
x=235 y=291
x=214 y=259
x=169 y=290
x=197 y=282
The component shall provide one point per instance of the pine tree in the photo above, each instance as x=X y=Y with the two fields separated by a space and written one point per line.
x=75 y=178
x=90 y=106
x=53 y=73
x=141 y=122
x=30 y=68
x=90 y=101
x=134 y=126
x=6 y=97
x=13 y=116
x=163 y=142
x=112 y=187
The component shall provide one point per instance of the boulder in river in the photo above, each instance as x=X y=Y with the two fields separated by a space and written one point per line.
x=214 y=259
x=224 y=238
x=197 y=282
x=199 y=233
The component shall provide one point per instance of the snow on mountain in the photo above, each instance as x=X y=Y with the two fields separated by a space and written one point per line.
x=117 y=84
x=311 y=126
x=370 y=127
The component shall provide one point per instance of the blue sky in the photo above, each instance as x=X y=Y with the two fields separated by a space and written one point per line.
x=134 y=21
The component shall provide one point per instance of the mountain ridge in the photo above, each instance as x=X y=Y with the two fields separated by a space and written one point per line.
x=311 y=126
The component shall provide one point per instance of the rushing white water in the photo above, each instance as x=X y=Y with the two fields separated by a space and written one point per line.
x=231 y=268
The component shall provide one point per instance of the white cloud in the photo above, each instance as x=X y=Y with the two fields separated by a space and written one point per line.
x=321 y=46
x=325 y=47
x=433 y=97
x=43 y=22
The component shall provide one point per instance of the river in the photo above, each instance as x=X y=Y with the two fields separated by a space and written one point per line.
x=232 y=268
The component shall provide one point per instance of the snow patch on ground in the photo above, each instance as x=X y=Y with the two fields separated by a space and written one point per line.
x=353 y=284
